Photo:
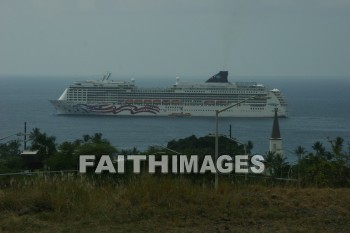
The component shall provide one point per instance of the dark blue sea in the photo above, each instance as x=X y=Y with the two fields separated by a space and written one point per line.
x=319 y=108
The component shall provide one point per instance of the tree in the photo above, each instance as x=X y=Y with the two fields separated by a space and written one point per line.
x=319 y=148
x=11 y=148
x=205 y=146
x=65 y=158
x=43 y=143
x=300 y=151
x=248 y=147
x=337 y=148
x=95 y=138
x=325 y=168
x=97 y=149
x=86 y=137
x=276 y=164
x=68 y=153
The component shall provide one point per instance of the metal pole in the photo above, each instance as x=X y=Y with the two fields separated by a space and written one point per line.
x=230 y=131
x=217 y=112
x=25 y=135
x=216 y=147
x=299 y=170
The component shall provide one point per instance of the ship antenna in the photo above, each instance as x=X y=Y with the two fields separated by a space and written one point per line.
x=108 y=75
x=177 y=80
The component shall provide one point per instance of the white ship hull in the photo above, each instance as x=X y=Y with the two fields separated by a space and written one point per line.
x=244 y=110
x=183 y=100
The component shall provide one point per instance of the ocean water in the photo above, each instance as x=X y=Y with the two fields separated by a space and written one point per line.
x=319 y=108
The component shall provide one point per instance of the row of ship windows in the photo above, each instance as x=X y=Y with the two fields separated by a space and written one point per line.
x=170 y=107
x=220 y=91
x=160 y=89
x=163 y=97
x=164 y=93
x=180 y=106
x=206 y=98
x=207 y=110
x=164 y=104
x=188 y=101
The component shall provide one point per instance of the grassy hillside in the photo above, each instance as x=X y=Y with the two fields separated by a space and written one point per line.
x=153 y=204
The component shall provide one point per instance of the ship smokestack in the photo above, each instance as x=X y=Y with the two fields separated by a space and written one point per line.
x=220 y=77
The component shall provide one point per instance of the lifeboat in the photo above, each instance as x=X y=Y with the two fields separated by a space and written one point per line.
x=221 y=102
x=180 y=114
x=156 y=101
x=166 y=102
x=147 y=101
x=209 y=102
x=175 y=102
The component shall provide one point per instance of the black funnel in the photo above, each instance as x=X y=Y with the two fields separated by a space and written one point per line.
x=220 y=77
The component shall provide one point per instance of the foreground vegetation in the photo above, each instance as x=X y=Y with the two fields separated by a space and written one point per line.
x=144 y=203
x=317 y=168
x=310 y=195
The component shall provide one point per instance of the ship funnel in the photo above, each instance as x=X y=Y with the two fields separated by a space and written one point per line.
x=220 y=77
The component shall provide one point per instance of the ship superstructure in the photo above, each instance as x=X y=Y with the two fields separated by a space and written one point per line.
x=108 y=97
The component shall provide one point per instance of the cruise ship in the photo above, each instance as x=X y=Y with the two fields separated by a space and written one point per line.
x=183 y=99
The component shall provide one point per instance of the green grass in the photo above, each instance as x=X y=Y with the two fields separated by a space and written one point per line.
x=162 y=204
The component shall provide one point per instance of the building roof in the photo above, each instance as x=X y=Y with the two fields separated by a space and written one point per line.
x=30 y=152
x=275 y=128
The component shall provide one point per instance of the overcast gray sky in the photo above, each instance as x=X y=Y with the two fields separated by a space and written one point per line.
x=178 y=37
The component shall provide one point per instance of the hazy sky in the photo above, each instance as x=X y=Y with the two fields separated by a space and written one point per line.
x=178 y=37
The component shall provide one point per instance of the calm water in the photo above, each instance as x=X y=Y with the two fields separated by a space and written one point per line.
x=319 y=108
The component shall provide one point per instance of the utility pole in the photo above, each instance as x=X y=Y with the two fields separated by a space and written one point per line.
x=217 y=112
x=25 y=136
x=230 y=131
